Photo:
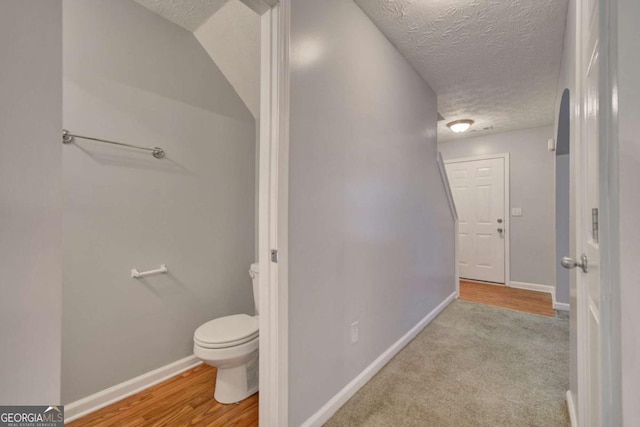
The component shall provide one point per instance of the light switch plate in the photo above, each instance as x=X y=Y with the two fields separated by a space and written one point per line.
x=516 y=212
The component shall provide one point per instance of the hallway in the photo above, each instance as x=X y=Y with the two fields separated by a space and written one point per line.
x=474 y=365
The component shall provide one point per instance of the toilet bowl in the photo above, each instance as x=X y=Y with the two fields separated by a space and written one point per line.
x=230 y=344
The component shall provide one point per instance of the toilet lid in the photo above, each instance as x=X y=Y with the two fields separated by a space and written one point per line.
x=227 y=331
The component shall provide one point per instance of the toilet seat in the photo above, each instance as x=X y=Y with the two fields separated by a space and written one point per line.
x=228 y=331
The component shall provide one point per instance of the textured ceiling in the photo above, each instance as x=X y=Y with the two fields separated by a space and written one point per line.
x=493 y=61
x=189 y=14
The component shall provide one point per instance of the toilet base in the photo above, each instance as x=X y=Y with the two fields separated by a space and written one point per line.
x=236 y=384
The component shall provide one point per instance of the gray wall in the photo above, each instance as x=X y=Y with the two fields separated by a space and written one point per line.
x=532 y=186
x=371 y=234
x=30 y=211
x=629 y=176
x=132 y=76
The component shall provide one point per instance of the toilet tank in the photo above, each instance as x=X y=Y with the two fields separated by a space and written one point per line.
x=255 y=276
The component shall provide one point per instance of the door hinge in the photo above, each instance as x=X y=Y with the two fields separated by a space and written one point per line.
x=275 y=255
x=594 y=225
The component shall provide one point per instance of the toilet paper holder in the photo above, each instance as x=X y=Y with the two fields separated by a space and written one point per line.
x=135 y=274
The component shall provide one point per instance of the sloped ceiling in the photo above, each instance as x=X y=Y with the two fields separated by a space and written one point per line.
x=493 y=61
x=230 y=33
x=189 y=14
x=232 y=38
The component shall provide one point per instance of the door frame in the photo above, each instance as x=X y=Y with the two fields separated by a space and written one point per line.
x=273 y=197
x=507 y=209
x=611 y=347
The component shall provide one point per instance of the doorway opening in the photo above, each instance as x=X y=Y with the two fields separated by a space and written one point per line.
x=524 y=226
x=480 y=188
x=204 y=210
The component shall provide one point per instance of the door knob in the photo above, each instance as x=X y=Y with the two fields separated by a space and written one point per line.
x=500 y=230
x=570 y=263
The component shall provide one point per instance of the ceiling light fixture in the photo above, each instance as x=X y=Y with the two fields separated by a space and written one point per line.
x=459 y=126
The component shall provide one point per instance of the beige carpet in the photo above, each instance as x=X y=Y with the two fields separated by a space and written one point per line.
x=474 y=365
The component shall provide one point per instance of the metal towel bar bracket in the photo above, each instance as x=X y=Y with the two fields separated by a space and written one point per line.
x=67 y=137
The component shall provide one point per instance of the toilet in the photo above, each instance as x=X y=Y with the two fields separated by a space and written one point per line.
x=230 y=344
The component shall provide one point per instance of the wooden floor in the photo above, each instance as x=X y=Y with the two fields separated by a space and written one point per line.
x=185 y=400
x=512 y=298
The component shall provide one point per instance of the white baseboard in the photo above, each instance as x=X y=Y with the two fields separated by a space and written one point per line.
x=533 y=287
x=103 y=398
x=572 y=409
x=331 y=407
x=485 y=283
x=559 y=305
x=542 y=288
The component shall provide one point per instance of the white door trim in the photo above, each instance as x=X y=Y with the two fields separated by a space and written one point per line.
x=576 y=184
x=507 y=208
x=611 y=347
x=273 y=210
x=454 y=214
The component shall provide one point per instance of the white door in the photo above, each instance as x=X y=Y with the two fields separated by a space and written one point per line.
x=478 y=188
x=587 y=238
